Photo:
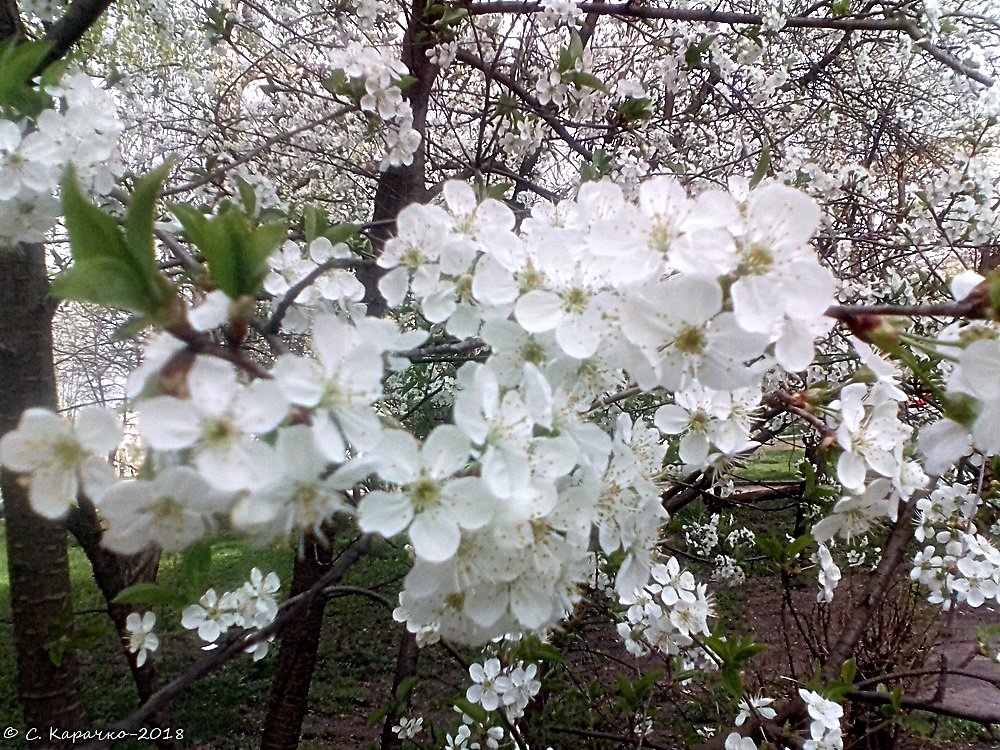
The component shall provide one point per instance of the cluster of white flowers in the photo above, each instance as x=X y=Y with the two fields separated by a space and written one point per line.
x=959 y=564
x=871 y=434
x=253 y=606
x=708 y=419
x=703 y=537
x=522 y=137
x=408 y=727
x=443 y=54
x=829 y=574
x=557 y=13
x=333 y=290
x=60 y=457
x=665 y=613
x=549 y=88
x=508 y=687
x=671 y=293
x=651 y=269
x=973 y=381
x=379 y=74
x=727 y=570
x=471 y=735
x=825 y=726
x=82 y=131
x=873 y=440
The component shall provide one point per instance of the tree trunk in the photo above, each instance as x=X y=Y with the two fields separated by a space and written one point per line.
x=297 y=655
x=36 y=548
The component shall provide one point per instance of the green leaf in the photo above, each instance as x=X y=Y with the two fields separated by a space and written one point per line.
x=732 y=682
x=112 y=268
x=235 y=251
x=600 y=164
x=473 y=710
x=569 y=56
x=405 y=81
x=634 y=110
x=140 y=218
x=772 y=547
x=848 y=671
x=379 y=714
x=108 y=282
x=247 y=195
x=575 y=44
x=405 y=687
x=532 y=649
x=131 y=328
x=798 y=545
x=18 y=63
x=314 y=222
x=585 y=80
x=151 y=594
x=341 y=233
x=339 y=84
x=763 y=165
x=92 y=233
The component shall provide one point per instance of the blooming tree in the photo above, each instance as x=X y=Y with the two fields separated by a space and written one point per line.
x=630 y=270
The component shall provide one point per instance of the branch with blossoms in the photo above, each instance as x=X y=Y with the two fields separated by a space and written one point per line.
x=602 y=295
x=628 y=10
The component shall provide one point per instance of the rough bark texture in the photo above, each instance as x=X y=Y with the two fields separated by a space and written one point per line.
x=36 y=548
x=297 y=655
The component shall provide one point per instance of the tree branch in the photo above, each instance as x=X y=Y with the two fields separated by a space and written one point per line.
x=69 y=29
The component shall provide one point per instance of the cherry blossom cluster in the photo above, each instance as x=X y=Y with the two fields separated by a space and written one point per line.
x=81 y=130
x=959 y=564
x=560 y=12
x=824 y=728
x=872 y=438
x=510 y=687
x=333 y=290
x=829 y=574
x=408 y=727
x=712 y=424
x=673 y=293
x=252 y=606
x=666 y=613
x=870 y=433
x=471 y=735
x=378 y=74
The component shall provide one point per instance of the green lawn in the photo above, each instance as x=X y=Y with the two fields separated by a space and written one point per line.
x=776 y=465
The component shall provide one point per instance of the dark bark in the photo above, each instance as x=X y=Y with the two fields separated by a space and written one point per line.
x=406 y=667
x=69 y=29
x=36 y=548
x=296 y=661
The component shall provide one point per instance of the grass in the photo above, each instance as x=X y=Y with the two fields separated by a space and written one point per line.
x=353 y=673
x=776 y=465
